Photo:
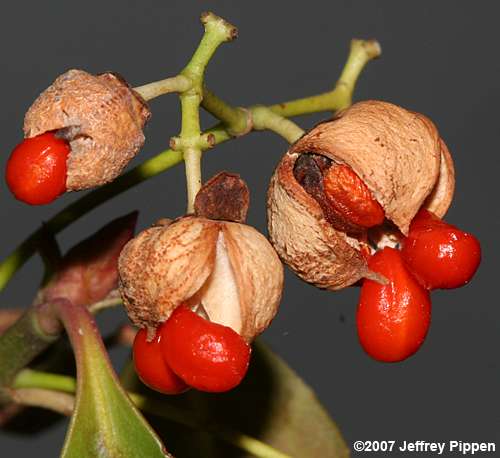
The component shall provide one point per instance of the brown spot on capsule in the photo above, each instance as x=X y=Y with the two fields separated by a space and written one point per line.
x=224 y=197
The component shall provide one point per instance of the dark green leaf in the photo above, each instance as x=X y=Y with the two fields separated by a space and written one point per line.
x=105 y=423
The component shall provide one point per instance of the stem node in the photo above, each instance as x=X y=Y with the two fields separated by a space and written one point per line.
x=226 y=30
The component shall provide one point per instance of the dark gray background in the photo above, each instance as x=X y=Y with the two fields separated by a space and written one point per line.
x=440 y=58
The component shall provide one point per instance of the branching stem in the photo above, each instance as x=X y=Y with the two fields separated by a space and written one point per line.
x=217 y=31
x=150 y=91
x=361 y=53
x=265 y=119
x=236 y=120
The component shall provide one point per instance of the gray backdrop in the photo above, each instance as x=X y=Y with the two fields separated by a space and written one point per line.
x=439 y=58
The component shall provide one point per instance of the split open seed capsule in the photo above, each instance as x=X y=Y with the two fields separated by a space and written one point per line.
x=376 y=158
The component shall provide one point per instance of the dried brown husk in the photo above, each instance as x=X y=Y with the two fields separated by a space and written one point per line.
x=399 y=156
x=99 y=115
x=224 y=197
x=229 y=268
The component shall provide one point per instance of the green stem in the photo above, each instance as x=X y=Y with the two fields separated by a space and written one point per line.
x=150 y=91
x=192 y=159
x=29 y=378
x=265 y=119
x=31 y=334
x=32 y=380
x=361 y=51
x=217 y=31
x=237 y=120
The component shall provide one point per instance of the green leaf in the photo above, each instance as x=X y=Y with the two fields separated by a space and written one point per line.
x=273 y=404
x=105 y=423
x=299 y=424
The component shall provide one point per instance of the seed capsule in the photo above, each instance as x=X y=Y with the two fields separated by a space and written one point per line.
x=100 y=117
x=403 y=165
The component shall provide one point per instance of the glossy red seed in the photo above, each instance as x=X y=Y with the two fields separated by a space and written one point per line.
x=440 y=255
x=207 y=356
x=36 y=170
x=425 y=219
x=151 y=367
x=350 y=197
x=392 y=319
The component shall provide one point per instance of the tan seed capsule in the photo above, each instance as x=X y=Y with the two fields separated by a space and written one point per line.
x=227 y=267
x=99 y=115
x=398 y=155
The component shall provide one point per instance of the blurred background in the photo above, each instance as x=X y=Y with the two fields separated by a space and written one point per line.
x=439 y=58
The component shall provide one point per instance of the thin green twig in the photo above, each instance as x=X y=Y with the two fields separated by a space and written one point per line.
x=361 y=52
x=217 y=31
x=265 y=119
x=150 y=91
x=29 y=378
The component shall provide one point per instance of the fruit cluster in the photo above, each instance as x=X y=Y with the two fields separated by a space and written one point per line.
x=358 y=200
x=190 y=351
